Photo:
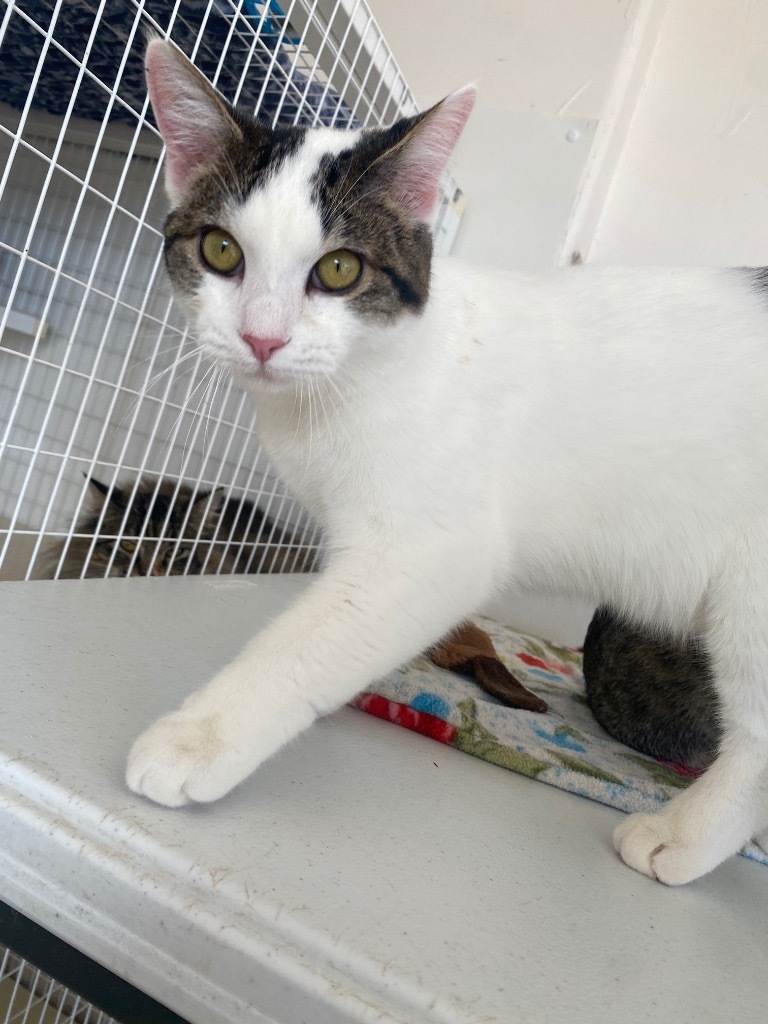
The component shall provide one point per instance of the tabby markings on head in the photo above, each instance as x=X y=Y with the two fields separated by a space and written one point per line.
x=347 y=192
x=296 y=249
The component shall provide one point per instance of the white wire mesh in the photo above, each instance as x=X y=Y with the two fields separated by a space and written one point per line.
x=97 y=375
x=28 y=996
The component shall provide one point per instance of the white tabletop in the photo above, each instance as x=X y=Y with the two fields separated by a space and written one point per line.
x=365 y=874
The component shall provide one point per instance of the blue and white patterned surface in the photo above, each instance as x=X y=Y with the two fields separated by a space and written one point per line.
x=564 y=747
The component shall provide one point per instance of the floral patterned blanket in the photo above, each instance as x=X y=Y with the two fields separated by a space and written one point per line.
x=564 y=747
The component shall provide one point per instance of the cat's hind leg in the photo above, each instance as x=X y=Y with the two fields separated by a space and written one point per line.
x=726 y=807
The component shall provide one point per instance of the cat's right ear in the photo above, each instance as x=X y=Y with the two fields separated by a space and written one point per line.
x=97 y=485
x=195 y=122
x=103 y=493
x=114 y=494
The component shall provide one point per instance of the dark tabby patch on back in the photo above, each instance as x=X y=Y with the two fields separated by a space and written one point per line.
x=651 y=691
x=350 y=189
x=246 y=163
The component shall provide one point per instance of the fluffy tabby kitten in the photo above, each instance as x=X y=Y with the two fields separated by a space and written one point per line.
x=652 y=691
x=169 y=529
x=456 y=430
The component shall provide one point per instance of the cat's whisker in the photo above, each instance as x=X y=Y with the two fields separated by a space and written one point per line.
x=330 y=382
x=164 y=352
x=311 y=427
x=366 y=194
x=321 y=386
x=301 y=406
x=318 y=391
x=295 y=400
x=195 y=353
x=337 y=204
x=145 y=391
x=207 y=406
x=208 y=400
x=346 y=376
x=344 y=195
x=342 y=200
x=319 y=407
x=146 y=388
x=172 y=432
x=199 y=415
x=169 y=437
x=219 y=378
x=232 y=179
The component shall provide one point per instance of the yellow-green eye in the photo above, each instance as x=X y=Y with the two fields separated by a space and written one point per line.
x=128 y=545
x=337 y=271
x=220 y=251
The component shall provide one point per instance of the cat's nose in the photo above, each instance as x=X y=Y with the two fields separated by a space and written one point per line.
x=263 y=348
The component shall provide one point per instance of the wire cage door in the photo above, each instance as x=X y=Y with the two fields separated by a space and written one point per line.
x=121 y=450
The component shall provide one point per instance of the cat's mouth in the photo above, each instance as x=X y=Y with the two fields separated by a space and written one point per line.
x=273 y=373
x=267 y=374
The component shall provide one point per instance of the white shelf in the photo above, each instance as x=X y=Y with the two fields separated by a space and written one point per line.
x=366 y=874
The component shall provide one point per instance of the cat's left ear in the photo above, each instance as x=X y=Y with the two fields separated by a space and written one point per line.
x=423 y=148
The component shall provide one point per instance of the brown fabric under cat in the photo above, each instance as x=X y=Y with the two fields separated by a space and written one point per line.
x=469 y=650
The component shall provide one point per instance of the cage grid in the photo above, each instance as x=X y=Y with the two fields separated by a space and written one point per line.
x=101 y=386
x=30 y=996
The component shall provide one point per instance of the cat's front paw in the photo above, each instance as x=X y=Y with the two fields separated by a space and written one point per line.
x=666 y=848
x=184 y=758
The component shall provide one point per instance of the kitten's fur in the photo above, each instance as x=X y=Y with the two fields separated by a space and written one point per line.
x=651 y=690
x=150 y=528
x=456 y=430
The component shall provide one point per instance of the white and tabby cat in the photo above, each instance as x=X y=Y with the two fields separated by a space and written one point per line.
x=457 y=430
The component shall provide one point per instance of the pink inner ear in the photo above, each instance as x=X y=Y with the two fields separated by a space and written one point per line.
x=425 y=155
x=192 y=124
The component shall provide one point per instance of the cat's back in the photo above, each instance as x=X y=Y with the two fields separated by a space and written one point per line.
x=588 y=317
x=617 y=395
x=684 y=349
x=655 y=357
x=667 y=318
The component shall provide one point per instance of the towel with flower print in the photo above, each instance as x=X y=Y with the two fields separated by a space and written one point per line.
x=564 y=747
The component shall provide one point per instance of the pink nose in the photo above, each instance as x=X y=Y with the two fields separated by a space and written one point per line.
x=263 y=348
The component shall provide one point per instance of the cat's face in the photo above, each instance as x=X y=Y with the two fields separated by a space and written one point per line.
x=296 y=251
x=149 y=530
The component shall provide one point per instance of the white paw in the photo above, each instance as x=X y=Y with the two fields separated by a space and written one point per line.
x=184 y=758
x=662 y=847
x=761 y=840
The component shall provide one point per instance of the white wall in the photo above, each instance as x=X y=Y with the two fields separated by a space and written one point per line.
x=691 y=185
x=553 y=57
x=543 y=68
x=687 y=180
